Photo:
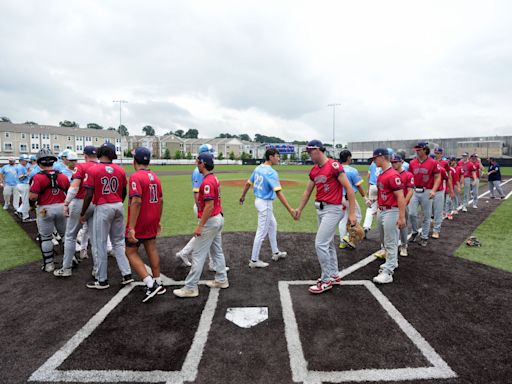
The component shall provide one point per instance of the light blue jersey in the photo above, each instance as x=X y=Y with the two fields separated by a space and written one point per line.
x=373 y=173
x=22 y=174
x=67 y=172
x=10 y=175
x=405 y=165
x=353 y=177
x=59 y=166
x=265 y=182
x=197 y=179
x=33 y=172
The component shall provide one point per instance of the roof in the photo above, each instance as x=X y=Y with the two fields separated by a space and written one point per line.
x=56 y=130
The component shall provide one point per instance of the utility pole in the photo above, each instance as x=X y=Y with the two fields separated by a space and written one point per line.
x=334 y=105
x=121 y=102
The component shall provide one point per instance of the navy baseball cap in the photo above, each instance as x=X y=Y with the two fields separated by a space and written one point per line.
x=438 y=150
x=421 y=145
x=380 y=152
x=206 y=158
x=396 y=158
x=314 y=144
x=142 y=155
x=465 y=154
x=90 y=150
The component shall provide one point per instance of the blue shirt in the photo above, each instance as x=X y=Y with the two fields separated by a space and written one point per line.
x=22 y=171
x=10 y=175
x=59 y=166
x=197 y=179
x=353 y=177
x=496 y=176
x=373 y=173
x=265 y=181
x=405 y=165
x=67 y=172
x=33 y=172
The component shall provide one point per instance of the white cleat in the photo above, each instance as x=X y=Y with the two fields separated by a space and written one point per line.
x=186 y=292
x=279 y=255
x=257 y=264
x=403 y=251
x=184 y=258
x=218 y=284
x=383 y=278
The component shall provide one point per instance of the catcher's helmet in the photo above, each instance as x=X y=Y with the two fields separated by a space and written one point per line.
x=45 y=157
x=206 y=148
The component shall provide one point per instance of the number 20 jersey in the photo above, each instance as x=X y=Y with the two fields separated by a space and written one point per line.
x=108 y=181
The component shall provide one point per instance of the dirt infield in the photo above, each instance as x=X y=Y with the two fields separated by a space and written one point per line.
x=460 y=308
x=241 y=182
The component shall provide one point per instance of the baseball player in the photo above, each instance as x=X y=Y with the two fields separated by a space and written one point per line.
x=9 y=181
x=494 y=178
x=391 y=213
x=266 y=187
x=33 y=168
x=197 y=178
x=407 y=180
x=207 y=233
x=469 y=178
x=72 y=209
x=22 y=171
x=143 y=225
x=371 y=201
x=356 y=183
x=105 y=185
x=478 y=169
x=452 y=202
x=427 y=179
x=48 y=189
x=445 y=189
x=329 y=178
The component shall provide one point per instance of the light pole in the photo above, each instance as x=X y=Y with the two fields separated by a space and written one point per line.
x=334 y=105
x=121 y=102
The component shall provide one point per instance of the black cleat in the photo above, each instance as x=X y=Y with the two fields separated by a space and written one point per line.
x=127 y=279
x=152 y=292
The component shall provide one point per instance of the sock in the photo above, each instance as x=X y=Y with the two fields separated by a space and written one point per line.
x=158 y=280
x=148 y=280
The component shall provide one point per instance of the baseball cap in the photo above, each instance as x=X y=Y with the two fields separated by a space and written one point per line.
x=33 y=157
x=380 y=152
x=23 y=157
x=474 y=155
x=90 y=150
x=142 y=155
x=396 y=158
x=314 y=144
x=438 y=150
x=72 y=156
x=465 y=154
x=206 y=148
x=206 y=158
x=421 y=145
x=12 y=159
x=65 y=153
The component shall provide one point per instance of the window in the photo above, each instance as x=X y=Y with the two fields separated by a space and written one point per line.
x=45 y=136
x=69 y=138
x=47 y=146
x=69 y=147
x=79 y=147
x=23 y=148
x=7 y=147
x=56 y=148
x=88 y=138
x=55 y=137
x=35 y=146
x=96 y=139
x=7 y=134
x=118 y=140
x=35 y=136
x=23 y=136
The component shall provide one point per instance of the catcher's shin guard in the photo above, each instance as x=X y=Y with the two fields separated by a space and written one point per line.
x=46 y=245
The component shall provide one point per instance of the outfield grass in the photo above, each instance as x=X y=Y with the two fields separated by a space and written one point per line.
x=15 y=245
x=495 y=233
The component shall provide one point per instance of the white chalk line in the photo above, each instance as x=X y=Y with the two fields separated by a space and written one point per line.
x=298 y=362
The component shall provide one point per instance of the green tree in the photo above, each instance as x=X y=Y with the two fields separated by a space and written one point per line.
x=191 y=134
x=285 y=157
x=69 y=124
x=111 y=129
x=122 y=130
x=5 y=119
x=128 y=153
x=267 y=139
x=149 y=130
x=231 y=155
x=189 y=155
x=167 y=153
x=304 y=156
x=30 y=123
x=178 y=155
x=245 y=137
x=245 y=156
x=293 y=157
x=179 y=133
x=94 y=126
x=220 y=156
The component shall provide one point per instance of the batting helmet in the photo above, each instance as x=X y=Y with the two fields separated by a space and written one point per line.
x=45 y=157
x=206 y=148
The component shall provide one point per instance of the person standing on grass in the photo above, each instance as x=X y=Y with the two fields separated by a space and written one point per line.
x=329 y=179
x=266 y=187
x=9 y=181
x=494 y=178
x=143 y=225
x=22 y=171
x=208 y=232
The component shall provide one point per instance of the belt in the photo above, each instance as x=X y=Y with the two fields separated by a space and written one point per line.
x=419 y=190
x=386 y=207
x=321 y=204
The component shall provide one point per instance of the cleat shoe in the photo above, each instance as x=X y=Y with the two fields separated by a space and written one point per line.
x=6 y=207
x=186 y=292
x=455 y=212
x=475 y=206
x=335 y=280
x=415 y=237
x=257 y=264
x=83 y=255
x=184 y=258
x=55 y=242
x=435 y=235
x=383 y=278
x=366 y=230
x=63 y=272
x=97 y=284
x=151 y=292
x=127 y=279
x=464 y=209
x=403 y=251
x=423 y=242
x=343 y=245
x=110 y=253
x=279 y=255
x=218 y=284
x=380 y=254
x=27 y=220
x=449 y=216
x=320 y=287
x=49 y=267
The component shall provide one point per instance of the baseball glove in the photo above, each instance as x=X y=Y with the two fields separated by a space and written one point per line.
x=473 y=242
x=355 y=235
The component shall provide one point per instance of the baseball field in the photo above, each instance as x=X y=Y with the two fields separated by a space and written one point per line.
x=445 y=319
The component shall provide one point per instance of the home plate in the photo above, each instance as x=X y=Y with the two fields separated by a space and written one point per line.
x=247 y=317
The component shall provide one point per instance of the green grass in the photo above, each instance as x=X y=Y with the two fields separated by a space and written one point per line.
x=495 y=233
x=15 y=245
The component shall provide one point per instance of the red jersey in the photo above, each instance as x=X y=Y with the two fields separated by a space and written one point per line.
x=477 y=167
x=41 y=185
x=209 y=190
x=328 y=188
x=424 y=172
x=467 y=169
x=443 y=186
x=388 y=182
x=444 y=164
x=146 y=185
x=407 y=180
x=108 y=181
x=456 y=173
x=79 y=174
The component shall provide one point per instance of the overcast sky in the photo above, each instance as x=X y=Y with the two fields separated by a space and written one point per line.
x=399 y=69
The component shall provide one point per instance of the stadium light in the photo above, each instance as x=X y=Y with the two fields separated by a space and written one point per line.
x=334 y=105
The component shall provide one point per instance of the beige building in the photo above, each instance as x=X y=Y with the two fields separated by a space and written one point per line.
x=16 y=139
